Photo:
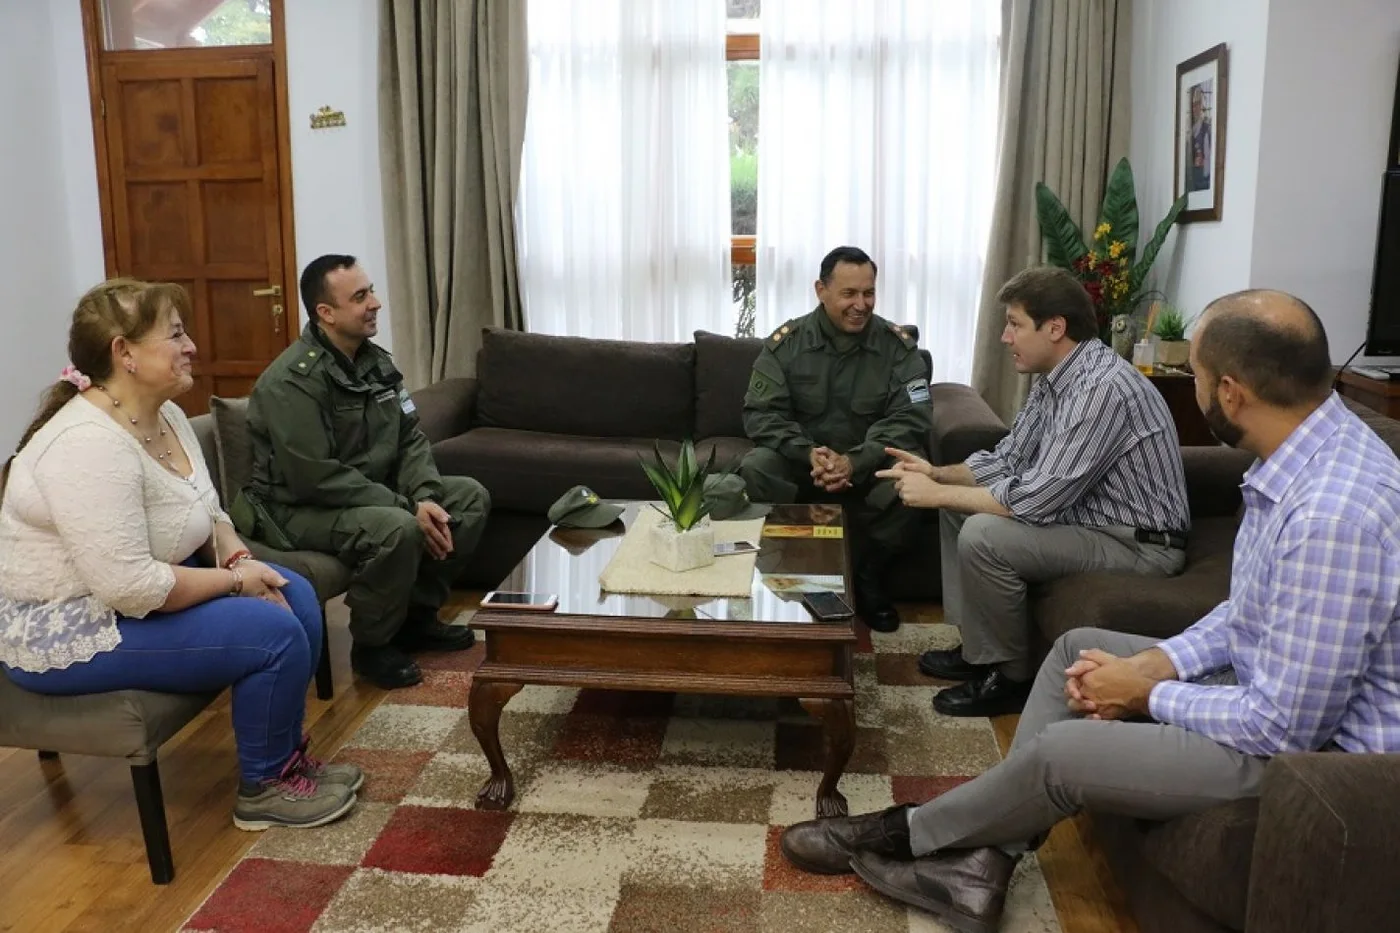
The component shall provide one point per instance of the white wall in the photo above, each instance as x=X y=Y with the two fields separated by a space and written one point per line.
x=1201 y=261
x=35 y=252
x=50 y=221
x=1326 y=125
x=332 y=59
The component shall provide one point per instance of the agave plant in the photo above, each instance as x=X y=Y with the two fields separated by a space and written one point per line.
x=1108 y=264
x=682 y=490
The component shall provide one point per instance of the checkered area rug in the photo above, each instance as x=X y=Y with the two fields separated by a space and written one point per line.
x=633 y=812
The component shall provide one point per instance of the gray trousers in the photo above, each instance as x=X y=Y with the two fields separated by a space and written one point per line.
x=988 y=561
x=1060 y=763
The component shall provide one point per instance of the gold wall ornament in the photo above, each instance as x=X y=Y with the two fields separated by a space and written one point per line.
x=326 y=118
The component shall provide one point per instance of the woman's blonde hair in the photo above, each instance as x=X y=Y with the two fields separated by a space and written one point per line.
x=117 y=308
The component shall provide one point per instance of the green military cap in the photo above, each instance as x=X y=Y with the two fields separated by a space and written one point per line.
x=580 y=507
x=728 y=499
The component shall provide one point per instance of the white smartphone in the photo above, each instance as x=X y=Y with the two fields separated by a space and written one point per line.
x=725 y=548
x=526 y=602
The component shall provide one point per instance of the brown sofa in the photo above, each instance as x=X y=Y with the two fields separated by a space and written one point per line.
x=545 y=413
x=1315 y=853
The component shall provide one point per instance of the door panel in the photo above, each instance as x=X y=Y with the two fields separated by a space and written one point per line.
x=192 y=148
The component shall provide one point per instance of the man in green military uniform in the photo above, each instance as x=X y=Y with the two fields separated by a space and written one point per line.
x=828 y=393
x=340 y=466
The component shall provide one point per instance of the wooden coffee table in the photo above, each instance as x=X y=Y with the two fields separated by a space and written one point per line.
x=764 y=645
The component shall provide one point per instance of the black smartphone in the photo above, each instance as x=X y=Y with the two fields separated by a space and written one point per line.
x=827 y=606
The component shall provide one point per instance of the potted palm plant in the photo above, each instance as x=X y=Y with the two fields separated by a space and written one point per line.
x=685 y=540
x=1169 y=327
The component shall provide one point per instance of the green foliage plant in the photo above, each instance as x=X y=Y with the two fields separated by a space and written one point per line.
x=1170 y=324
x=682 y=489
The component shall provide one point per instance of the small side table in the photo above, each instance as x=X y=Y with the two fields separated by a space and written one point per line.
x=1179 y=390
x=1376 y=394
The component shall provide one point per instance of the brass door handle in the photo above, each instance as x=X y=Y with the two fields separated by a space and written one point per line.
x=272 y=291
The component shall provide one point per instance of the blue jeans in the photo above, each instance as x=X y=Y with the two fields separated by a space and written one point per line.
x=264 y=652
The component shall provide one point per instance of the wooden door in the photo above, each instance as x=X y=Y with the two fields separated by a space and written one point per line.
x=195 y=180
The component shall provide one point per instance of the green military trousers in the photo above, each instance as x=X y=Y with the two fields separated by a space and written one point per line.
x=383 y=547
x=877 y=515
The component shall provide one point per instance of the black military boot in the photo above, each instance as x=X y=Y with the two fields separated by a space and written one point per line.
x=422 y=631
x=872 y=599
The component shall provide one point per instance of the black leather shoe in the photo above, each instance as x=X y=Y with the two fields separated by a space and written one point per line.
x=422 y=631
x=994 y=694
x=385 y=666
x=825 y=847
x=965 y=888
x=949 y=665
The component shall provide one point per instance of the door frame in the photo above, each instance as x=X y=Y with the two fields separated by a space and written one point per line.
x=96 y=57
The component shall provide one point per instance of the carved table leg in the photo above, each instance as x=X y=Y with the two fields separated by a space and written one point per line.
x=838 y=718
x=484 y=705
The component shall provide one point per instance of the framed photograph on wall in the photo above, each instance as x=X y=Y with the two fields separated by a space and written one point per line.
x=1201 y=92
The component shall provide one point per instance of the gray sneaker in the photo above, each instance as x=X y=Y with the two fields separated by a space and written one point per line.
x=292 y=800
x=326 y=772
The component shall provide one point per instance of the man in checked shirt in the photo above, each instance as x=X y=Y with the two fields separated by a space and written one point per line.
x=1090 y=478
x=1303 y=655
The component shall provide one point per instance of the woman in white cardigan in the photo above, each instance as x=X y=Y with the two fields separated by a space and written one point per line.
x=119 y=570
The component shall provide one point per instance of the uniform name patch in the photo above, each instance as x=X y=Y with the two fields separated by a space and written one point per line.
x=406 y=402
x=918 y=391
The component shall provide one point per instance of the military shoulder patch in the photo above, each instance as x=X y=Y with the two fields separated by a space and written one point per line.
x=917 y=391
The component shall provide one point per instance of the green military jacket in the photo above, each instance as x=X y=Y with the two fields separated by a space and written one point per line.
x=335 y=434
x=805 y=392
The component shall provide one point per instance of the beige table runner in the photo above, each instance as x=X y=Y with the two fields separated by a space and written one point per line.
x=630 y=570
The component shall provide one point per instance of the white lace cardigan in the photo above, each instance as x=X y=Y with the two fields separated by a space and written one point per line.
x=90 y=527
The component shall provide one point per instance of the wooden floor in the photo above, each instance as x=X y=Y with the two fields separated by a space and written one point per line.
x=71 y=856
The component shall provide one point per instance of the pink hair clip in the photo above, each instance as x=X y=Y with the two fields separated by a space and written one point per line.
x=71 y=374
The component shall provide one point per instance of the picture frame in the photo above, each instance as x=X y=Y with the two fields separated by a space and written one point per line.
x=1202 y=95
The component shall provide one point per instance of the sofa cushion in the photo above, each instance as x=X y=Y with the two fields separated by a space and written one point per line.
x=1159 y=607
x=526 y=471
x=722 y=368
x=234 y=447
x=326 y=574
x=1387 y=429
x=728 y=451
x=593 y=388
x=1206 y=856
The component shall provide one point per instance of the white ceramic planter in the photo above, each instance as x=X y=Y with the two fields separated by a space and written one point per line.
x=1173 y=352
x=679 y=551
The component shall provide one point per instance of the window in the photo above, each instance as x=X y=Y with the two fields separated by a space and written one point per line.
x=742 y=50
x=134 y=24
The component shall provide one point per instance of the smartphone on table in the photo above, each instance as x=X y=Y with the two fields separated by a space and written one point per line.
x=826 y=606
x=525 y=602
x=725 y=548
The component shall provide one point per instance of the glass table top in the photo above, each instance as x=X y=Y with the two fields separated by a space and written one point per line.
x=811 y=555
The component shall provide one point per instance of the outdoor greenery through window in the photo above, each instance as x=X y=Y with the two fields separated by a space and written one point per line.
x=742 y=52
x=135 y=24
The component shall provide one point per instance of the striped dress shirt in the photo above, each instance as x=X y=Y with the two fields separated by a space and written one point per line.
x=1095 y=445
x=1312 y=625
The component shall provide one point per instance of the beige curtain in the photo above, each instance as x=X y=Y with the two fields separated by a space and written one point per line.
x=1065 y=121
x=452 y=85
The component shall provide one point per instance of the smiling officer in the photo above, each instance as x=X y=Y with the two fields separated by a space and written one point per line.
x=341 y=466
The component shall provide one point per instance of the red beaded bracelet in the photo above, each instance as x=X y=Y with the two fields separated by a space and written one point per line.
x=237 y=557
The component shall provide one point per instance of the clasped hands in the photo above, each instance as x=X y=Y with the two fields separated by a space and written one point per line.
x=436 y=525
x=1103 y=686
x=831 y=471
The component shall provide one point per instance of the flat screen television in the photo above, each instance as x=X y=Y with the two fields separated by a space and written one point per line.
x=1383 y=330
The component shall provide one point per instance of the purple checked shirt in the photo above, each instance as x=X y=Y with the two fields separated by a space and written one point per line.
x=1312 y=625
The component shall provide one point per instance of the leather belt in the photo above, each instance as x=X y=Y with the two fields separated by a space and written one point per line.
x=1160 y=538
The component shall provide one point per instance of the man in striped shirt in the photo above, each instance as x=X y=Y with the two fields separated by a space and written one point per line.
x=1304 y=655
x=1090 y=478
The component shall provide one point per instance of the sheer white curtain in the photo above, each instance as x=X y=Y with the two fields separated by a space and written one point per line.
x=623 y=214
x=877 y=129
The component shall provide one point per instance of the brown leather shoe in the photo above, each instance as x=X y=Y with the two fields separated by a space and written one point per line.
x=825 y=847
x=965 y=888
